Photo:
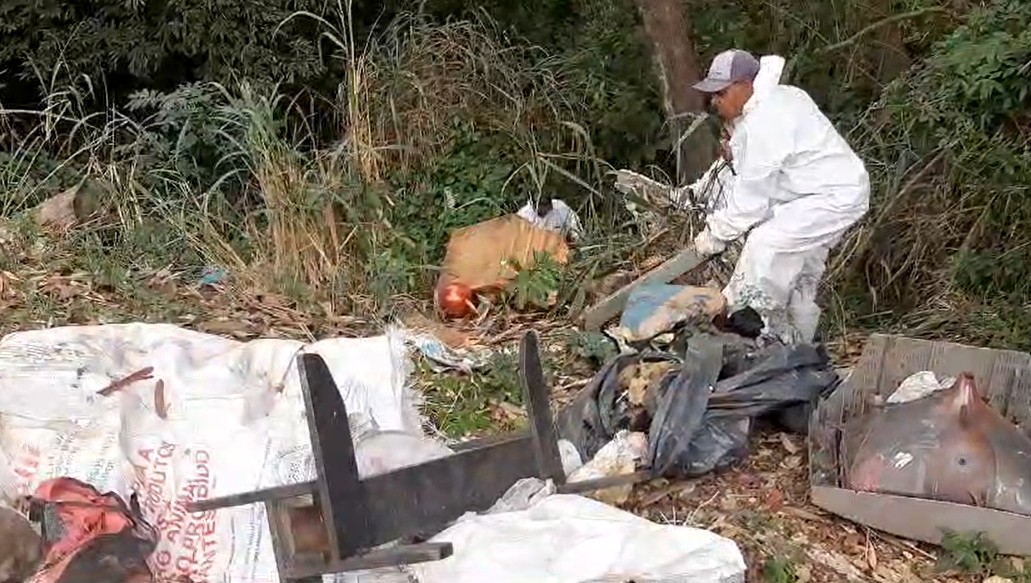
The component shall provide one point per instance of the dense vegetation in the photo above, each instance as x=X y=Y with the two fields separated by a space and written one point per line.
x=313 y=145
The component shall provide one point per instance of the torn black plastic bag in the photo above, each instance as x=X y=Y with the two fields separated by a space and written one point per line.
x=682 y=406
x=598 y=412
x=696 y=431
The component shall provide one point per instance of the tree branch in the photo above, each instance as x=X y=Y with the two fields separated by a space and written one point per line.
x=868 y=29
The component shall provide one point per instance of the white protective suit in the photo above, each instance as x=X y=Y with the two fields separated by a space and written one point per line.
x=798 y=186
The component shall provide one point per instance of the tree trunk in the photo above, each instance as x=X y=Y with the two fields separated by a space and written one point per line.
x=677 y=69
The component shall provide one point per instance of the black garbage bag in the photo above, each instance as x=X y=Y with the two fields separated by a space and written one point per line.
x=702 y=425
x=682 y=405
x=598 y=412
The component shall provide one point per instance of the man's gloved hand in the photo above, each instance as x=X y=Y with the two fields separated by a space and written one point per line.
x=706 y=245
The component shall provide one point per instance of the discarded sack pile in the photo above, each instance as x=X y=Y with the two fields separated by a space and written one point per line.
x=166 y=416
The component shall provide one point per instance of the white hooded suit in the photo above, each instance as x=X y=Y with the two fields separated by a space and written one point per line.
x=795 y=189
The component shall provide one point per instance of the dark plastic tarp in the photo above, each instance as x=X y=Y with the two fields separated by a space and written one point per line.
x=704 y=412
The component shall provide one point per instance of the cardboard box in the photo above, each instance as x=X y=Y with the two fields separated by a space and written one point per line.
x=1003 y=377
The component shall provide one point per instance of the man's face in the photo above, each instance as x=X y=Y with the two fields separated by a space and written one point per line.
x=731 y=101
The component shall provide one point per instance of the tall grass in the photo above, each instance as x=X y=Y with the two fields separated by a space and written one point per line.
x=945 y=251
x=436 y=125
x=278 y=205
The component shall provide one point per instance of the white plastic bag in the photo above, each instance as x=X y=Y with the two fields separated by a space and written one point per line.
x=919 y=385
x=571 y=539
x=560 y=218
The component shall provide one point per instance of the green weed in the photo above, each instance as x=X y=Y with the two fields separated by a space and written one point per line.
x=779 y=570
x=970 y=553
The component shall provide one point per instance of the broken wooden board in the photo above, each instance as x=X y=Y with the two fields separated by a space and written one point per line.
x=610 y=307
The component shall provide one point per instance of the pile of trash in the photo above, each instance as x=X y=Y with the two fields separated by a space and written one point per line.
x=699 y=406
x=108 y=433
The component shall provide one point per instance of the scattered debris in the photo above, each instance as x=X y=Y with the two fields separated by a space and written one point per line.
x=212 y=276
x=443 y=357
x=654 y=308
x=699 y=413
x=555 y=215
x=757 y=495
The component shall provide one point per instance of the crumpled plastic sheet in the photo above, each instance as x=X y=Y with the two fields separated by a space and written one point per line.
x=682 y=408
x=573 y=539
x=919 y=385
x=657 y=308
x=703 y=411
x=786 y=384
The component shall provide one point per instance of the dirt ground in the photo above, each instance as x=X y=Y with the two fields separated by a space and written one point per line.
x=762 y=503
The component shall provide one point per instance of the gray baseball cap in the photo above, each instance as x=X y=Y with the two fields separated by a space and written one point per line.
x=727 y=68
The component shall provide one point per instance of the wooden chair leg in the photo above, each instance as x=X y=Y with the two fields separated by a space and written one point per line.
x=340 y=492
x=538 y=407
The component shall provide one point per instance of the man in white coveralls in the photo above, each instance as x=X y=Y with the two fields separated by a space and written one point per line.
x=788 y=180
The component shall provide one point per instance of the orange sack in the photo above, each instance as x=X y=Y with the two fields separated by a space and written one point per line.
x=90 y=537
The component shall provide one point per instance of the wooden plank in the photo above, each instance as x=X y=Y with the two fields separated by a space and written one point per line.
x=295 y=490
x=420 y=498
x=610 y=307
x=538 y=408
x=306 y=488
x=924 y=520
x=403 y=555
x=506 y=443
x=256 y=496
x=342 y=497
x=468 y=480
x=279 y=529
